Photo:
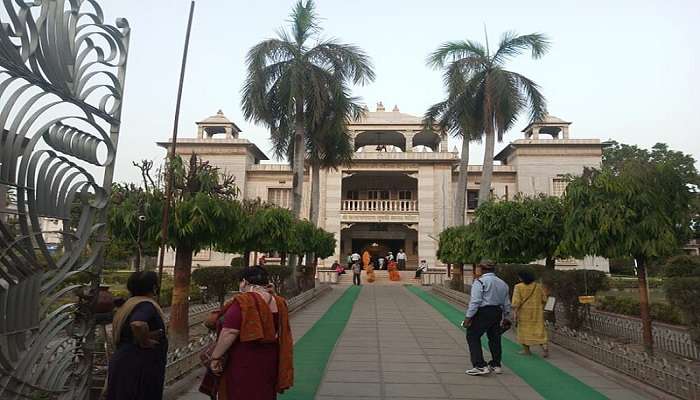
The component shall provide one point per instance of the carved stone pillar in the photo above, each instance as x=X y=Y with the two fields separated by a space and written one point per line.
x=409 y=140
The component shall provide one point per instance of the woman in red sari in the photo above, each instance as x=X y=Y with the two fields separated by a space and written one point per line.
x=253 y=354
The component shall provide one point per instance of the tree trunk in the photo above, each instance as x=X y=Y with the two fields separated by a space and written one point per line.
x=178 y=327
x=299 y=158
x=458 y=277
x=487 y=171
x=550 y=262
x=644 y=305
x=461 y=196
x=246 y=258
x=315 y=194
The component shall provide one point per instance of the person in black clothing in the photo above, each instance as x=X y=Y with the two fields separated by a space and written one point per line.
x=137 y=367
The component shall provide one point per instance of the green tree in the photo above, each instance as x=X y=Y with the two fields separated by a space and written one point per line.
x=458 y=245
x=638 y=209
x=499 y=95
x=289 y=78
x=204 y=212
x=132 y=222
x=521 y=230
x=615 y=155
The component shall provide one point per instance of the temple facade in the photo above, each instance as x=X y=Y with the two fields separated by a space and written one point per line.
x=399 y=191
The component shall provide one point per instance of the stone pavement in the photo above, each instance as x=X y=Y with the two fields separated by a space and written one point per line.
x=396 y=346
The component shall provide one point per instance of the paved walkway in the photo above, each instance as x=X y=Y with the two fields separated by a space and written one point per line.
x=398 y=346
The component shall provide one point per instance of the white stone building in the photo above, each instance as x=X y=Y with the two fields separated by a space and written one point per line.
x=399 y=191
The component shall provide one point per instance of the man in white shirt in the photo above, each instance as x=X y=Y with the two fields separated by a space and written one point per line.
x=401 y=258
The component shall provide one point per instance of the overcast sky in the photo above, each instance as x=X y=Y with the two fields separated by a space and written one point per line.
x=624 y=70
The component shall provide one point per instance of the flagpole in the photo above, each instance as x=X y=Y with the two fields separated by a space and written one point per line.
x=171 y=155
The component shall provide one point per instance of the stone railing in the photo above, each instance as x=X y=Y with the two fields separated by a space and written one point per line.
x=327 y=276
x=675 y=379
x=185 y=359
x=451 y=294
x=670 y=338
x=388 y=206
x=433 y=278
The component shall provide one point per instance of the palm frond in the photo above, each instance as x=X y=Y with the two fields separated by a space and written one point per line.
x=304 y=21
x=345 y=60
x=535 y=99
x=513 y=44
x=455 y=50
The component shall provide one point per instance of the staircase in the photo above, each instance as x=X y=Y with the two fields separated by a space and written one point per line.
x=382 y=278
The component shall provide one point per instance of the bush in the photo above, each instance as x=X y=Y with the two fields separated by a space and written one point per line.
x=237 y=262
x=567 y=286
x=617 y=283
x=278 y=274
x=509 y=272
x=629 y=306
x=217 y=280
x=683 y=267
x=622 y=266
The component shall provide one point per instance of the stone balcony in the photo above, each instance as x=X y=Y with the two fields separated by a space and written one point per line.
x=379 y=210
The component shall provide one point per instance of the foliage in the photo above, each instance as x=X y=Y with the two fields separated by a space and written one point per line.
x=682 y=267
x=309 y=239
x=458 y=245
x=128 y=203
x=291 y=79
x=266 y=228
x=509 y=272
x=217 y=280
x=628 y=306
x=567 y=286
x=631 y=283
x=616 y=155
x=486 y=95
x=522 y=230
x=278 y=276
x=682 y=287
x=639 y=210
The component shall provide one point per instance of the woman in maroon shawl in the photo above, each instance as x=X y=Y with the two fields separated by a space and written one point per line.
x=253 y=354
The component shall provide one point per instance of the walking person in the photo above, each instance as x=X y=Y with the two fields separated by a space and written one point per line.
x=357 y=274
x=401 y=258
x=252 y=358
x=489 y=312
x=137 y=367
x=529 y=298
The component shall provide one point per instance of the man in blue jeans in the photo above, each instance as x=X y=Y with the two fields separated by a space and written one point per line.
x=489 y=310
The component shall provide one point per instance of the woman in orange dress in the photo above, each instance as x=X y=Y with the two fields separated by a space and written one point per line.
x=367 y=263
x=394 y=274
x=253 y=354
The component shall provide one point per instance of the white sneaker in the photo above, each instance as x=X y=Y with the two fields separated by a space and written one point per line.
x=478 y=371
x=496 y=370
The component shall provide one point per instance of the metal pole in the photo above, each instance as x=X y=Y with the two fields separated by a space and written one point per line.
x=171 y=155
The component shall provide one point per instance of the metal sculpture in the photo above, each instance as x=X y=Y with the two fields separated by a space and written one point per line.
x=62 y=75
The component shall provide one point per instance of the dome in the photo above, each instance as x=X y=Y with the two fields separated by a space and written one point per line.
x=219 y=118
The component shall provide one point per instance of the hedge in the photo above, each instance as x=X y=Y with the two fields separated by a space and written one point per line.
x=630 y=306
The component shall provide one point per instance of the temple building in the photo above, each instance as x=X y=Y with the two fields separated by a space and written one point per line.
x=399 y=191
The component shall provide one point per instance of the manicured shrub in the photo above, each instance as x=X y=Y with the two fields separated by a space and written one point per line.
x=567 y=286
x=630 y=306
x=682 y=287
x=509 y=272
x=217 y=280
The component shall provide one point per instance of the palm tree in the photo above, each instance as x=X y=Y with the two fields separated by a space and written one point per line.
x=499 y=94
x=287 y=81
x=458 y=116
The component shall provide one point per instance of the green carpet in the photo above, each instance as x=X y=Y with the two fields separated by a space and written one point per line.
x=312 y=351
x=548 y=380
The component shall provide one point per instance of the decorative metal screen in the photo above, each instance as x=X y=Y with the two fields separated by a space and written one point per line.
x=61 y=83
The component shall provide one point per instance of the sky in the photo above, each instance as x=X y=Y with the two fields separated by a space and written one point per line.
x=623 y=70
